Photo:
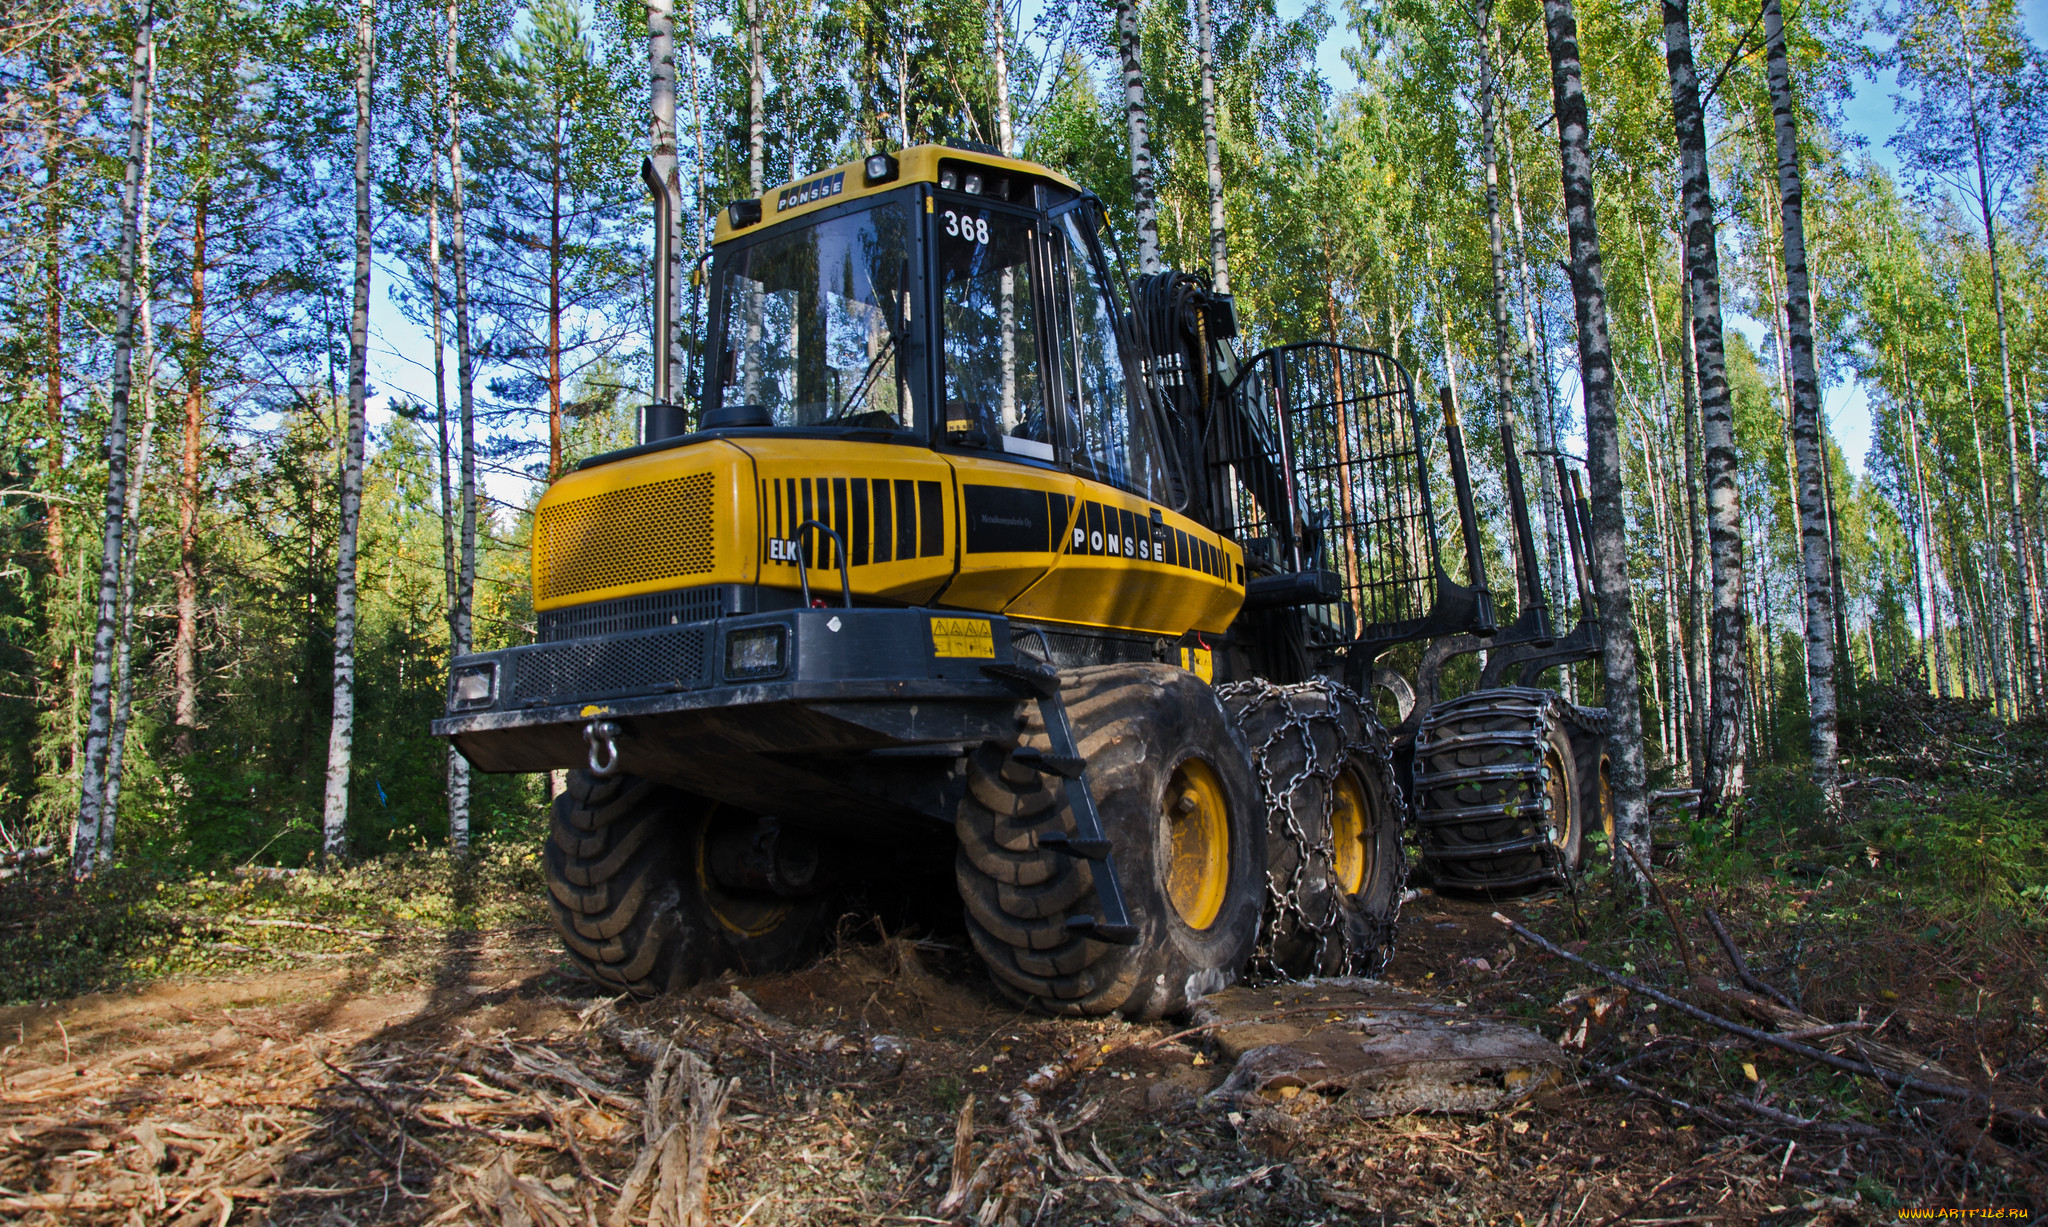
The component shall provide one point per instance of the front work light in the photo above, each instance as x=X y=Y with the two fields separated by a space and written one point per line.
x=880 y=168
x=473 y=686
x=754 y=653
x=743 y=213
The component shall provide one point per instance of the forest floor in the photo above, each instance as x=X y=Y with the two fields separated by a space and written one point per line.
x=324 y=1065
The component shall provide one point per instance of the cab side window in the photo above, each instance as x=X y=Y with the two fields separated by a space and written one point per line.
x=1108 y=437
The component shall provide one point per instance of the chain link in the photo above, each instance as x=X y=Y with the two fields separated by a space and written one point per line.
x=1369 y=943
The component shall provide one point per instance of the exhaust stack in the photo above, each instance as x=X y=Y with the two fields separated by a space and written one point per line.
x=664 y=419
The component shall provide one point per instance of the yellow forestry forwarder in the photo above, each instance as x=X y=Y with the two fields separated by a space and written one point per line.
x=964 y=559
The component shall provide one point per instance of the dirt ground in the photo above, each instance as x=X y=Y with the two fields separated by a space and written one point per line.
x=473 y=1079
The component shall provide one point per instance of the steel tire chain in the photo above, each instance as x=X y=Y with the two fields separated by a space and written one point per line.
x=1277 y=795
x=1535 y=704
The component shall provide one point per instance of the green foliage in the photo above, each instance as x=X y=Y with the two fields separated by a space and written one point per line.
x=1969 y=852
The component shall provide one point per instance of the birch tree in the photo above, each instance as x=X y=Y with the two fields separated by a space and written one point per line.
x=1728 y=620
x=1603 y=441
x=1138 y=124
x=461 y=618
x=1807 y=438
x=341 y=732
x=1219 y=245
x=124 y=649
x=93 y=837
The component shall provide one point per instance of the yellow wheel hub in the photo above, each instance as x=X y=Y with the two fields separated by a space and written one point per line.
x=740 y=915
x=1606 y=795
x=1560 y=789
x=1198 y=844
x=1351 y=847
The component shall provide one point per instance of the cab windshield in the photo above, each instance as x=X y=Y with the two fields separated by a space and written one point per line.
x=815 y=323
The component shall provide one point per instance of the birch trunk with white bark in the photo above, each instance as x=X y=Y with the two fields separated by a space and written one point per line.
x=92 y=836
x=1726 y=667
x=1219 y=245
x=124 y=649
x=460 y=618
x=661 y=134
x=1609 y=546
x=341 y=732
x=1806 y=428
x=1137 y=120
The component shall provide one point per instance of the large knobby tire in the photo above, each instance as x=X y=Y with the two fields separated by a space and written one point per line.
x=635 y=904
x=1173 y=783
x=1333 y=827
x=1500 y=805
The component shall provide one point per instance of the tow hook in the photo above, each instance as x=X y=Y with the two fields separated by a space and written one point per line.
x=602 y=738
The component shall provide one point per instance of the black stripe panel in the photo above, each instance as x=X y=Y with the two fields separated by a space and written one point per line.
x=1006 y=520
x=931 y=520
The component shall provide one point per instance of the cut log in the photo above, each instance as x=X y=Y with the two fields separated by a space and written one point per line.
x=1371 y=1049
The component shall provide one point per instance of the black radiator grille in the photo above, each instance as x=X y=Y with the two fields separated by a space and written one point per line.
x=595 y=668
x=630 y=613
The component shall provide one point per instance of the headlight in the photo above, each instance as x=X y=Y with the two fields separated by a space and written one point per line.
x=473 y=686
x=754 y=653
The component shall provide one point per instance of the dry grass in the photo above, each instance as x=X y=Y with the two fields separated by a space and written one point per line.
x=456 y=1075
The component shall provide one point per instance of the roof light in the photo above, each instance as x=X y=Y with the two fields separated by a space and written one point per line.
x=880 y=168
x=948 y=180
x=973 y=184
x=743 y=213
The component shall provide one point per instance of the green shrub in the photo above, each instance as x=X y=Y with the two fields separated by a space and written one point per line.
x=1971 y=851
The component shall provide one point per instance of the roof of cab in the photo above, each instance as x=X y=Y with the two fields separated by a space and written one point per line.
x=917 y=164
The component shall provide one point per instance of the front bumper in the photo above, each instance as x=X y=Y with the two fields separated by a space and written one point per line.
x=851 y=683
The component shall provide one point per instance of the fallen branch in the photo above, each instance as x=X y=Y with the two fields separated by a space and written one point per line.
x=1742 y=971
x=737 y=1007
x=27 y=856
x=1962 y=1094
x=253 y=922
x=390 y=1114
x=1848 y=1128
x=963 y=1159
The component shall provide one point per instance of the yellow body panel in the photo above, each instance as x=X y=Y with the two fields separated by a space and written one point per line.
x=1114 y=570
x=960 y=532
x=917 y=164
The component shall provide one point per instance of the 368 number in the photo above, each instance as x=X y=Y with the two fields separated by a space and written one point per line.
x=973 y=229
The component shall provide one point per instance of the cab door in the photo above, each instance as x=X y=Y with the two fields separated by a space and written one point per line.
x=1127 y=560
x=992 y=318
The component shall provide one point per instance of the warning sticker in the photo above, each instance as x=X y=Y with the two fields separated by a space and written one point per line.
x=958 y=637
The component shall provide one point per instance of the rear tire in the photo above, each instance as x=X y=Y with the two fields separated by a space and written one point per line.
x=1333 y=827
x=633 y=900
x=1172 y=781
x=1499 y=801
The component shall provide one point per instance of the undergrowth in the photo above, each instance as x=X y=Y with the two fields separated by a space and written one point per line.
x=131 y=924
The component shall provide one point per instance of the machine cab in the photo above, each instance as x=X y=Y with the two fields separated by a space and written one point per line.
x=938 y=297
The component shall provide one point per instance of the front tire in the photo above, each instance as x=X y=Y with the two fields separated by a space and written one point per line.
x=636 y=904
x=1172 y=781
